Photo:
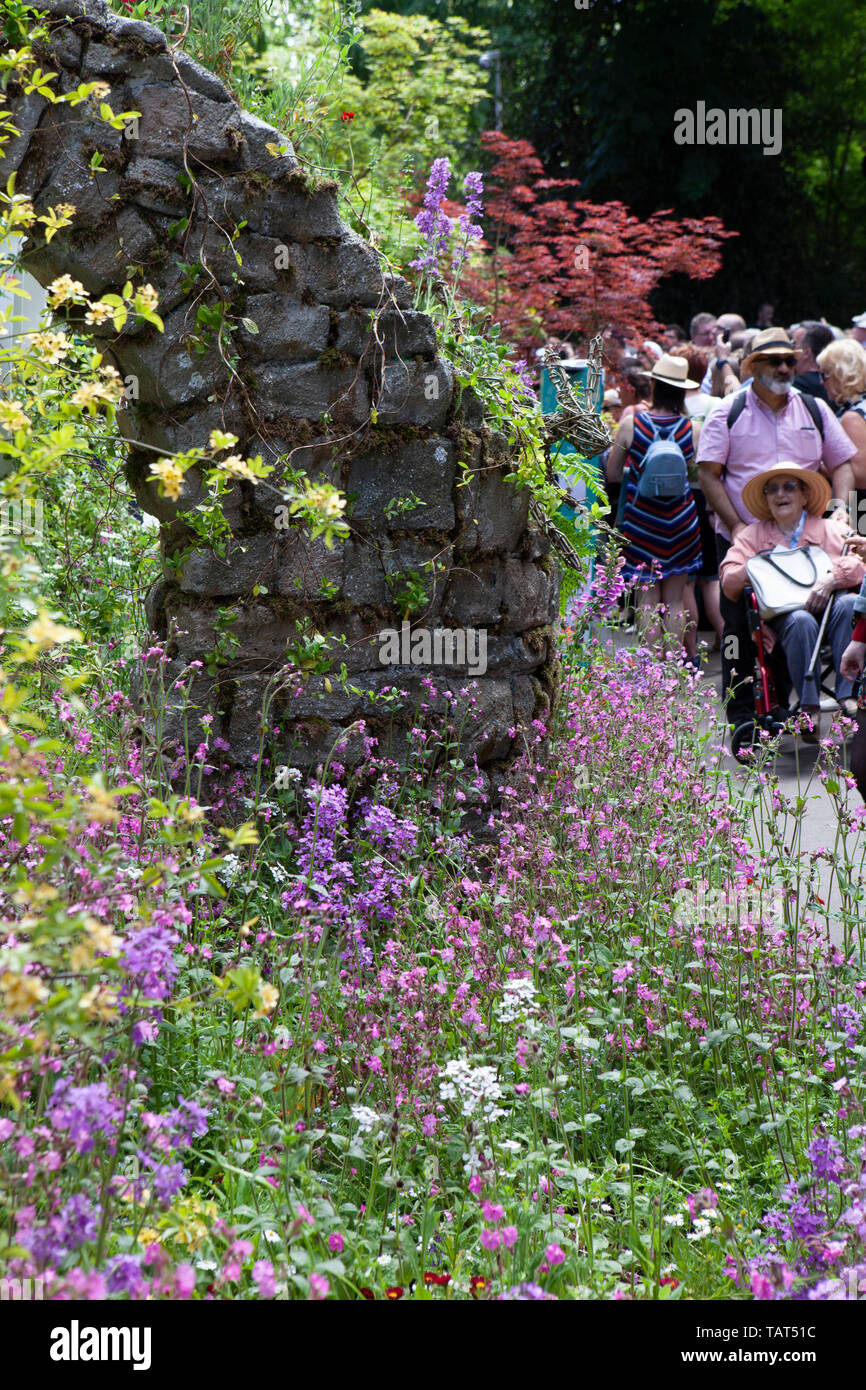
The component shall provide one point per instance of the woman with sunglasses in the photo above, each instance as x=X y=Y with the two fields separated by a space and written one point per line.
x=789 y=501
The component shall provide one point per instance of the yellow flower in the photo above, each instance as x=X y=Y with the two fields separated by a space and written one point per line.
x=53 y=347
x=325 y=499
x=169 y=477
x=191 y=814
x=80 y=958
x=101 y=806
x=102 y=937
x=87 y=394
x=98 y=311
x=44 y=633
x=100 y=1003
x=148 y=296
x=237 y=467
x=65 y=290
x=12 y=416
x=148 y=1236
x=21 y=993
x=219 y=441
x=270 y=998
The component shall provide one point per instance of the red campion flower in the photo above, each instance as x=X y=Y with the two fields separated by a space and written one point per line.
x=394 y=1292
x=347 y=115
x=477 y=1284
x=670 y=1281
x=367 y=1293
x=439 y=1279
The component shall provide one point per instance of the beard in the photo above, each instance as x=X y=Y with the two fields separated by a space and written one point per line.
x=770 y=382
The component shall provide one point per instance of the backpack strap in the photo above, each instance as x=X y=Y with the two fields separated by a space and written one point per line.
x=815 y=411
x=809 y=402
x=737 y=409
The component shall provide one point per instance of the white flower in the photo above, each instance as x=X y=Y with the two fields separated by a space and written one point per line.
x=385 y=1260
x=510 y=1145
x=365 y=1118
x=517 y=1001
x=676 y=1219
x=230 y=867
x=272 y=1236
x=702 y=1227
x=475 y=1087
x=278 y=873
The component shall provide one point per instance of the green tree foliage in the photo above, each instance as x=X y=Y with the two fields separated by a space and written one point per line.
x=595 y=91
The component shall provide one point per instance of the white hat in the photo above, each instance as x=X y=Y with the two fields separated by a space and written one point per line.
x=859 y=321
x=673 y=371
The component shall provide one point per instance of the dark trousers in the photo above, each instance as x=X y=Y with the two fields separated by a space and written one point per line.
x=738 y=656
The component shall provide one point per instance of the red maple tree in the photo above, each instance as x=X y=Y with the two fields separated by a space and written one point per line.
x=554 y=265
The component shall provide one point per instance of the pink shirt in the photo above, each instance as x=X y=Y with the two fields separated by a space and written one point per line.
x=762 y=437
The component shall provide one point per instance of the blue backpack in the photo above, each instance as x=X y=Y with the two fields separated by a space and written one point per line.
x=664 y=476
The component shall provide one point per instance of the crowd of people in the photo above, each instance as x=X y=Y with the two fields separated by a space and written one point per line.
x=731 y=441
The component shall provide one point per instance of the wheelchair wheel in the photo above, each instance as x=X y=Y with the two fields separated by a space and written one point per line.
x=741 y=739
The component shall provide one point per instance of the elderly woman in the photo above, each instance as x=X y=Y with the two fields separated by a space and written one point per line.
x=789 y=501
x=842 y=365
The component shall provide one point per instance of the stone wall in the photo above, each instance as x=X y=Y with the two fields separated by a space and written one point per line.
x=335 y=338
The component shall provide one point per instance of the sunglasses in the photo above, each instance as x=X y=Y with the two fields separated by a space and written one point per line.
x=778 y=361
x=788 y=486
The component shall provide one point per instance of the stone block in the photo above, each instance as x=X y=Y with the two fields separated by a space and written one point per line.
x=248 y=562
x=104 y=59
x=489 y=717
x=153 y=184
x=167 y=512
x=168 y=375
x=473 y=597
x=65 y=46
x=211 y=130
x=308 y=391
x=364 y=581
x=403 y=335
x=92 y=195
x=411 y=565
x=99 y=263
x=526 y=593
x=416 y=393
x=256 y=155
x=499 y=510
x=286 y=210
x=348 y=273
x=288 y=330
x=176 y=436
x=26 y=112
x=422 y=468
x=306 y=568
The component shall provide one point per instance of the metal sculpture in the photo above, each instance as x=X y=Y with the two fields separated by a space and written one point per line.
x=576 y=421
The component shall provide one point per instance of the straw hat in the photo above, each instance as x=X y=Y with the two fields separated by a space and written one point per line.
x=771 y=342
x=672 y=371
x=817 y=488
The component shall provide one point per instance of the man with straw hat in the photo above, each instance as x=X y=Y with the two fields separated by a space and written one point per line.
x=762 y=424
x=788 y=501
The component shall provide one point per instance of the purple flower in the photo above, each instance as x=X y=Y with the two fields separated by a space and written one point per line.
x=471 y=231
x=84 y=1112
x=263 y=1278
x=124 y=1274
x=148 y=960
x=432 y=222
x=526 y=1293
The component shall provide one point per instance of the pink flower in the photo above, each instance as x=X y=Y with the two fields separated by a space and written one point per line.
x=509 y=1236
x=263 y=1278
x=319 y=1286
x=304 y=1215
x=491 y=1211
x=475 y=1185
x=335 y=1243
x=554 y=1254
x=184 y=1281
x=490 y=1239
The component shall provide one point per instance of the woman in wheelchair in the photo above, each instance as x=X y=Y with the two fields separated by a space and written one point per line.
x=789 y=502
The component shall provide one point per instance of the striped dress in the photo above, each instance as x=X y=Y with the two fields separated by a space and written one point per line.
x=665 y=532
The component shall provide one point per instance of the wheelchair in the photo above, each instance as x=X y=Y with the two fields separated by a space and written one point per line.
x=771 y=676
